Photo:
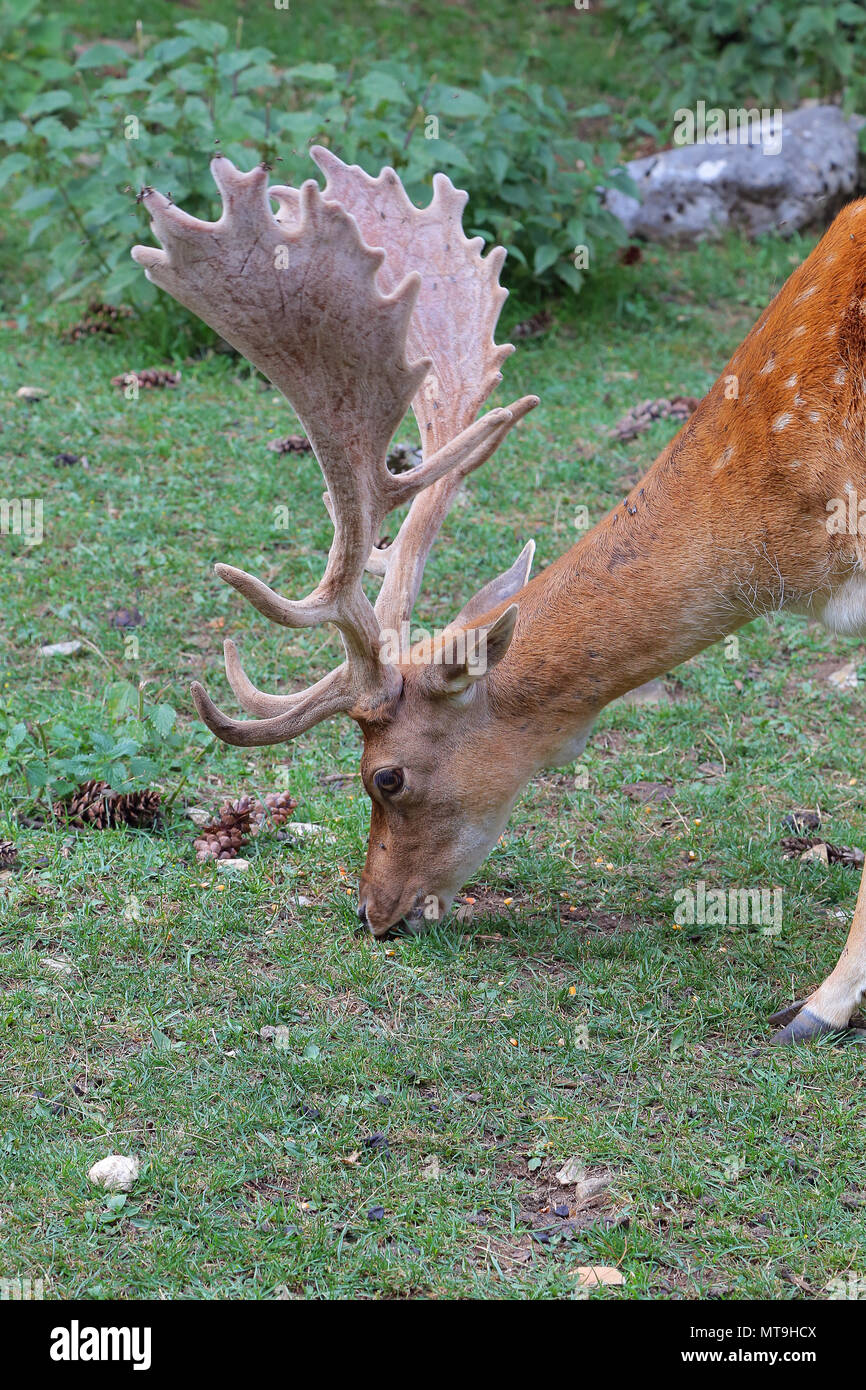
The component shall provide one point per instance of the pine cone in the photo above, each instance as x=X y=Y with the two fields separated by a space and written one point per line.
x=239 y=821
x=403 y=456
x=534 y=326
x=138 y=809
x=224 y=838
x=100 y=318
x=292 y=444
x=641 y=417
x=8 y=854
x=94 y=805
x=275 y=811
x=148 y=380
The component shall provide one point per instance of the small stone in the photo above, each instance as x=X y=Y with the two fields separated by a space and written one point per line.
x=60 y=649
x=305 y=830
x=115 y=1173
x=233 y=865
x=376 y=1213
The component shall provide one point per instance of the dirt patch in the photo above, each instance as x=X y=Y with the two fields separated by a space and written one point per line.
x=550 y=1213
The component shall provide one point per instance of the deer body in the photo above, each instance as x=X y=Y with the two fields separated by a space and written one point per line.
x=730 y=522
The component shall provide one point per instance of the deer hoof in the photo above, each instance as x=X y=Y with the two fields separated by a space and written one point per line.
x=803 y=1027
x=790 y=1011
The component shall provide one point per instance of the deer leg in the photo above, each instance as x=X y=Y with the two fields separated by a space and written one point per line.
x=830 y=1008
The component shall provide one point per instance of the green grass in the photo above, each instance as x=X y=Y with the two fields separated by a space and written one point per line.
x=731 y=1163
x=567 y=1014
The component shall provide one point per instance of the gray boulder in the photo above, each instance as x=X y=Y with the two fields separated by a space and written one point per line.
x=775 y=177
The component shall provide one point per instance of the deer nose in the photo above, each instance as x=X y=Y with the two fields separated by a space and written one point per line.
x=362 y=915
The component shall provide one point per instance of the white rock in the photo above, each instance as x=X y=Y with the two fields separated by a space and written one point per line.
x=306 y=830
x=31 y=393
x=115 y=1173
x=845 y=677
x=238 y=865
x=60 y=649
x=198 y=815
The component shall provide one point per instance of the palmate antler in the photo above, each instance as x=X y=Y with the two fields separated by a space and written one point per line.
x=298 y=295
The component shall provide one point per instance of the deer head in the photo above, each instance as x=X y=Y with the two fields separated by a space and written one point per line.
x=358 y=305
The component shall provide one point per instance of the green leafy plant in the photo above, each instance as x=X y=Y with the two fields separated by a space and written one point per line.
x=740 y=52
x=80 y=135
x=131 y=744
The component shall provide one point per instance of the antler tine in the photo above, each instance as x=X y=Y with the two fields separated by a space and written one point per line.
x=298 y=296
x=256 y=701
x=301 y=303
x=331 y=695
x=454 y=323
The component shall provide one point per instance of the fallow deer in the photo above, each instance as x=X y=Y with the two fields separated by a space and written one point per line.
x=356 y=305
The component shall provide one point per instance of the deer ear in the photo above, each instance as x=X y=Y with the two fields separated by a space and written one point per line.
x=466 y=655
x=504 y=586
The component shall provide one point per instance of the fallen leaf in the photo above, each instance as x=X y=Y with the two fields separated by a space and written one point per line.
x=306 y=831
x=57 y=967
x=647 y=791
x=819 y=852
x=573 y=1171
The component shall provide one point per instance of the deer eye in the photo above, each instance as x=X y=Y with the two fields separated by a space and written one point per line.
x=389 y=781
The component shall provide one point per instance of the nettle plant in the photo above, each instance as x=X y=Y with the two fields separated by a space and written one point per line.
x=130 y=743
x=81 y=135
x=736 y=51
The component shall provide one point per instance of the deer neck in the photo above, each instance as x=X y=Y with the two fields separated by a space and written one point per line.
x=678 y=565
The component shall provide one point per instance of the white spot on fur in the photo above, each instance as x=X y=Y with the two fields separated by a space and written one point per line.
x=769 y=365
x=805 y=294
x=831 y=331
x=841 y=376
x=792 y=380
x=798 y=332
x=814 y=416
x=782 y=420
x=724 y=457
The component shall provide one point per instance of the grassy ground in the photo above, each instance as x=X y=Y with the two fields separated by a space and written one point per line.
x=567 y=1016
